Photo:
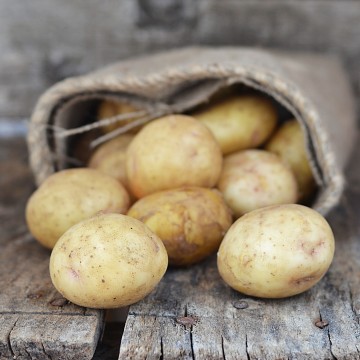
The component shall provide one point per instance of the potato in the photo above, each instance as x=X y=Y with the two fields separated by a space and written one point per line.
x=276 y=251
x=239 y=121
x=289 y=144
x=171 y=152
x=111 y=108
x=69 y=196
x=107 y=261
x=252 y=179
x=109 y=158
x=190 y=221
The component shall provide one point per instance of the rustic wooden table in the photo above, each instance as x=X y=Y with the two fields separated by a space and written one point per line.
x=191 y=315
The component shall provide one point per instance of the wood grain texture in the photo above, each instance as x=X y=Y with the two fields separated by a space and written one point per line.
x=36 y=336
x=35 y=321
x=220 y=328
x=66 y=38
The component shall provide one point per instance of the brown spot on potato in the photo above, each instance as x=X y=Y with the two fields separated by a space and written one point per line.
x=302 y=281
x=154 y=242
x=255 y=137
x=246 y=260
x=311 y=249
x=180 y=255
x=74 y=274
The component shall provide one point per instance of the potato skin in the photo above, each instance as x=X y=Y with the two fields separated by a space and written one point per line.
x=252 y=179
x=111 y=108
x=289 y=144
x=109 y=158
x=171 y=152
x=277 y=251
x=239 y=122
x=107 y=261
x=190 y=221
x=69 y=196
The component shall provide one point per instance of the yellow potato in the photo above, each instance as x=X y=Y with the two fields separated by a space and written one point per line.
x=111 y=108
x=191 y=222
x=276 y=251
x=109 y=158
x=289 y=144
x=171 y=152
x=107 y=261
x=239 y=121
x=252 y=179
x=69 y=196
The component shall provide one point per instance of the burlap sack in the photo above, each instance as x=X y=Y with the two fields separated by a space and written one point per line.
x=313 y=88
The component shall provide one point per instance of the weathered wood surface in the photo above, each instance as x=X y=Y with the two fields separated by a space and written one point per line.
x=35 y=321
x=43 y=41
x=223 y=324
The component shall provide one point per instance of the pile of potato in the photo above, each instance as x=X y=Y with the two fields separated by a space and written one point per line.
x=226 y=177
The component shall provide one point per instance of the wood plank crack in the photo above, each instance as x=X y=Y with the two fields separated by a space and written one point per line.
x=247 y=347
x=357 y=349
x=222 y=348
x=28 y=354
x=45 y=353
x=352 y=304
x=329 y=337
x=192 y=344
x=9 y=339
x=190 y=334
x=161 y=348
x=330 y=342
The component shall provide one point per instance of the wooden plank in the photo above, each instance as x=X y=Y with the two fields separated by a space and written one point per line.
x=7 y=323
x=54 y=337
x=224 y=324
x=36 y=322
x=160 y=332
x=37 y=53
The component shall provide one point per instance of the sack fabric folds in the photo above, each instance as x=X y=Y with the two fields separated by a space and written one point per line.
x=314 y=88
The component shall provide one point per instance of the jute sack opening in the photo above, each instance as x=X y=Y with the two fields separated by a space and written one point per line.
x=313 y=88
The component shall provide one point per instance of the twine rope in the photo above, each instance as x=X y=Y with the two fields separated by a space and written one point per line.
x=123 y=129
x=63 y=133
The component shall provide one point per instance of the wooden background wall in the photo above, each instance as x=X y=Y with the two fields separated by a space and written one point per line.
x=43 y=41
